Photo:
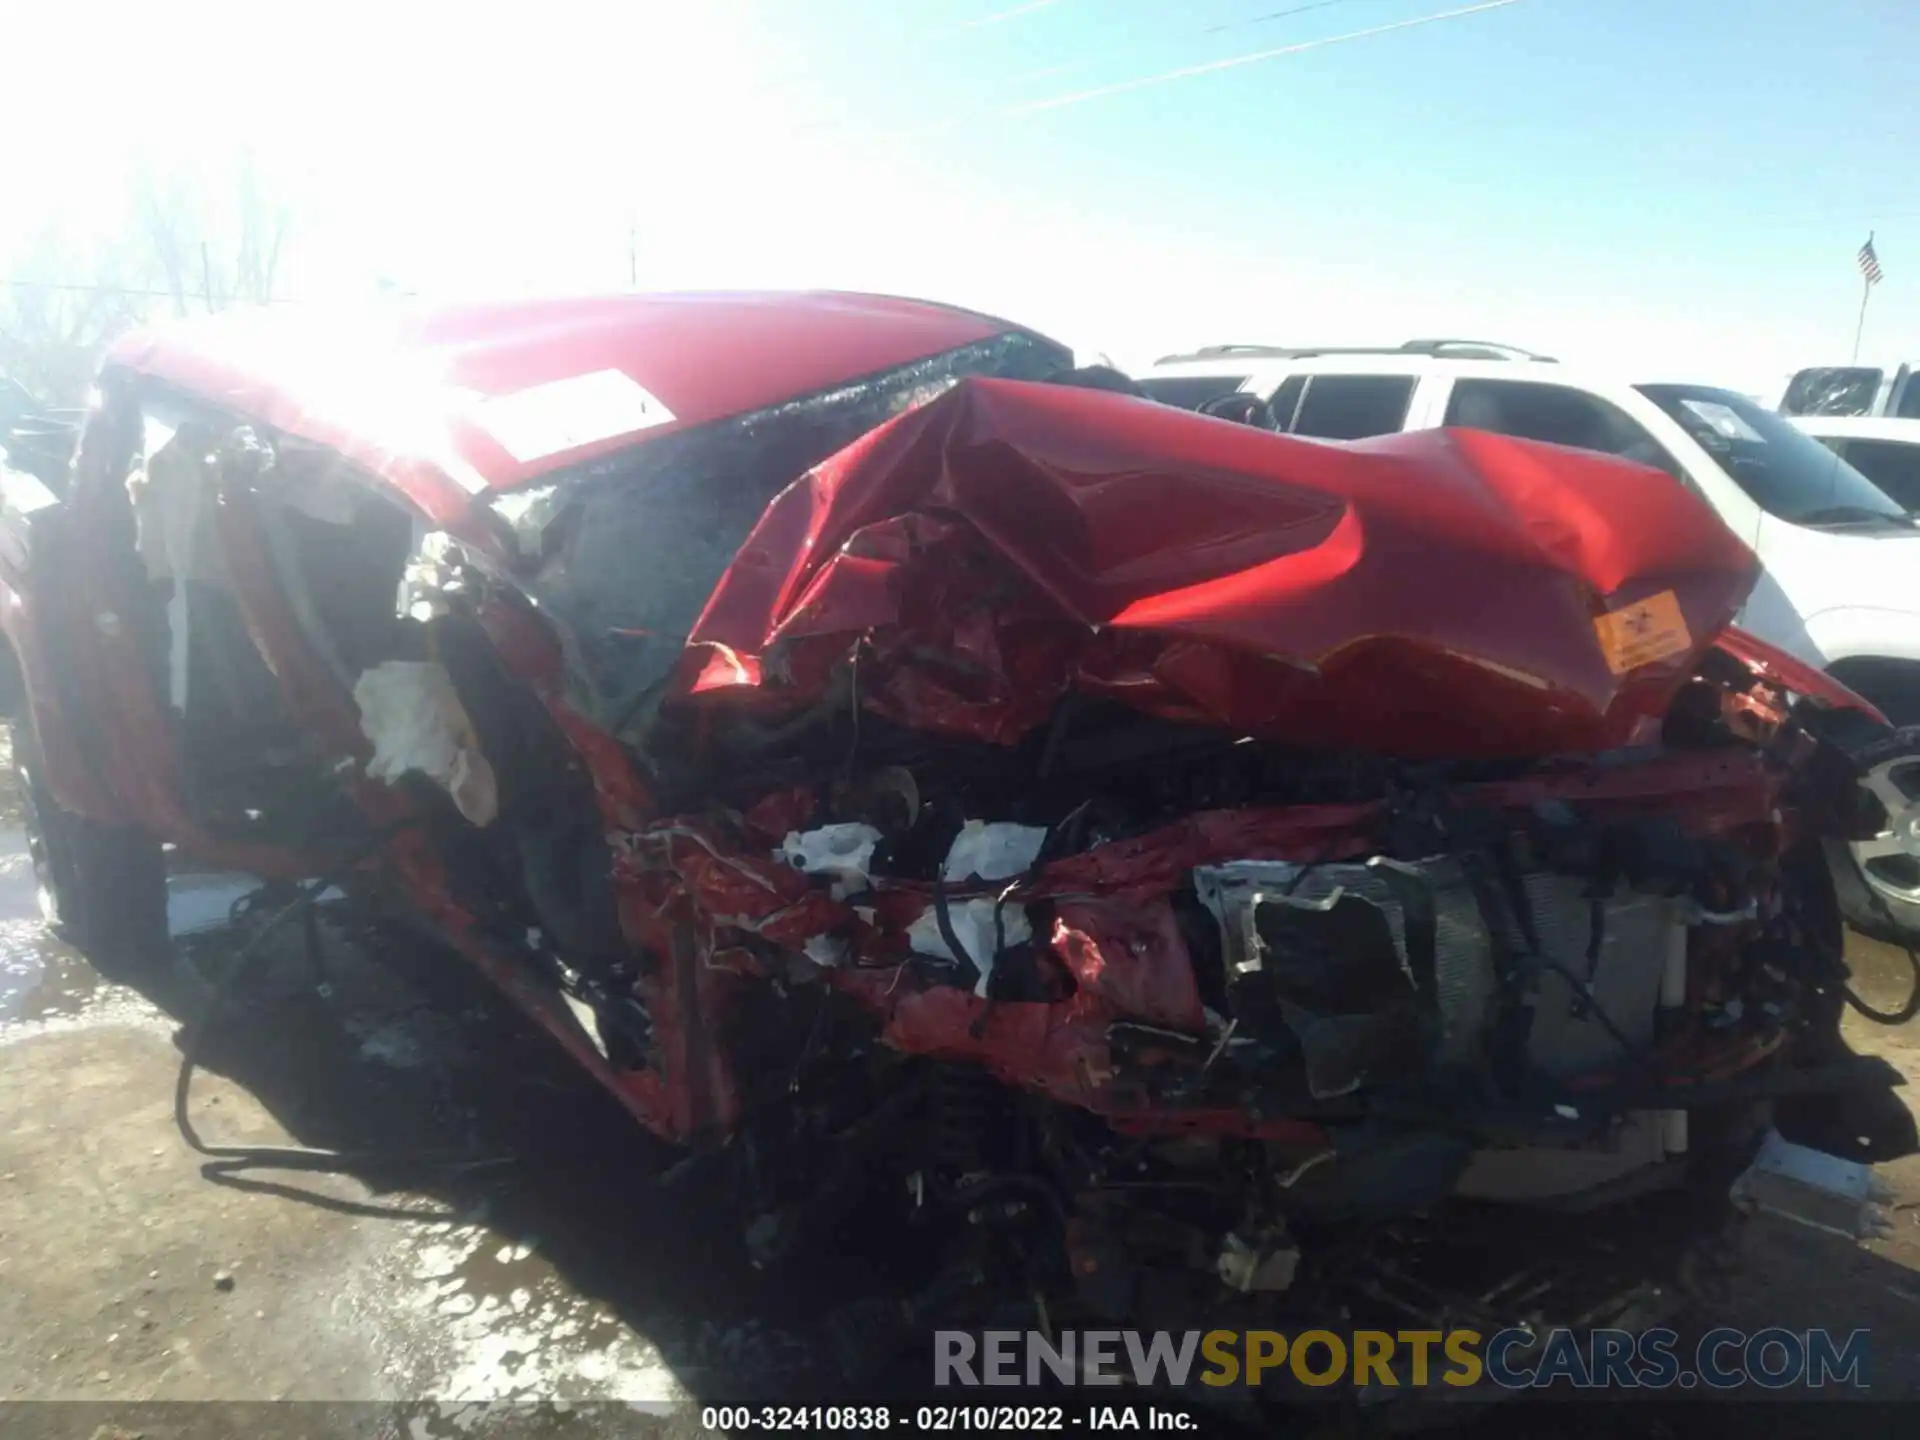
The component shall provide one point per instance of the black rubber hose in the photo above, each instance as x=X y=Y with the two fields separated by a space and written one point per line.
x=1636 y=1054
x=943 y=916
x=1890 y=1017
x=284 y=1157
x=1907 y=1011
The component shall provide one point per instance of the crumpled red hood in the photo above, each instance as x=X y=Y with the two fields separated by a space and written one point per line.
x=1447 y=592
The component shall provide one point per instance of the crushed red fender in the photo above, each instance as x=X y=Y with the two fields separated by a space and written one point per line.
x=1429 y=594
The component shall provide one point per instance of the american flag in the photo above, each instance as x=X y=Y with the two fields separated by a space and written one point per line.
x=1869 y=262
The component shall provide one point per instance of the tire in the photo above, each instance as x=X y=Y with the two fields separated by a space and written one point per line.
x=103 y=888
x=1877 y=882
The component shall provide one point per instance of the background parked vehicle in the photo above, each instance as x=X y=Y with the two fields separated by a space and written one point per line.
x=1889 y=391
x=1839 y=553
x=1886 y=451
x=35 y=438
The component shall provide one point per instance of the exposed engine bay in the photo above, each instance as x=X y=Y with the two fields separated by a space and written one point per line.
x=1145 y=1010
x=1533 y=988
x=1161 y=859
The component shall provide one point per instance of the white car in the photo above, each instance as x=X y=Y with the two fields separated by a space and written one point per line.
x=1840 y=587
x=1886 y=451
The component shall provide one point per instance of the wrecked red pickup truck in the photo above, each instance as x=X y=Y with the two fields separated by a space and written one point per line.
x=893 y=763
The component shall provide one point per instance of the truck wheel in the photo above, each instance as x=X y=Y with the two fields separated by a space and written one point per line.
x=103 y=888
x=1877 y=881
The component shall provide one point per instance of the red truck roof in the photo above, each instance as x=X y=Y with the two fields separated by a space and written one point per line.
x=499 y=393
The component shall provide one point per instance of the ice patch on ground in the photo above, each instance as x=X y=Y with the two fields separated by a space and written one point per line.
x=438 y=1261
x=529 y=1341
x=517 y=1350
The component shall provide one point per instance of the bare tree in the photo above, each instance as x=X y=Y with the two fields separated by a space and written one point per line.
x=214 y=247
x=264 y=222
x=185 y=246
x=62 y=305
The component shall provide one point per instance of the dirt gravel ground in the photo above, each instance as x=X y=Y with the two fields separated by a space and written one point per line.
x=133 y=1276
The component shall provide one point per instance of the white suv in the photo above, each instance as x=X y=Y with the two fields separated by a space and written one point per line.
x=1841 y=581
x=1886 y=451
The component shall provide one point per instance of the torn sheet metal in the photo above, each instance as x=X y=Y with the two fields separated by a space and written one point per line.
x=1130 y=955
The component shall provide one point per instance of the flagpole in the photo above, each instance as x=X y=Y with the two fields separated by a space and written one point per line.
x=1866 y=294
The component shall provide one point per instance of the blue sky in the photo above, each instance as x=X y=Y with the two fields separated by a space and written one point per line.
x=1671 y=187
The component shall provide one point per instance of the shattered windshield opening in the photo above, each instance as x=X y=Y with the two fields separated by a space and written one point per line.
x=625 y=551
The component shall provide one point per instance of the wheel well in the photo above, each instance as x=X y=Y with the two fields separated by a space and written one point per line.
x=1892 y=685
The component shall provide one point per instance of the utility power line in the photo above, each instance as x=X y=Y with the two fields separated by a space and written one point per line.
x=1187 y=72
x=1068 y=66
x=89 y=289
x=128 y=291
x=1271 y=15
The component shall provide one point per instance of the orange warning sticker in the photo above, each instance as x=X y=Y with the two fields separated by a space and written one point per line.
x=1643 y=632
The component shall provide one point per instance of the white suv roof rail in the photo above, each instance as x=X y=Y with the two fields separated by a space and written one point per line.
x=1474 y=350
x=1440 y=349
